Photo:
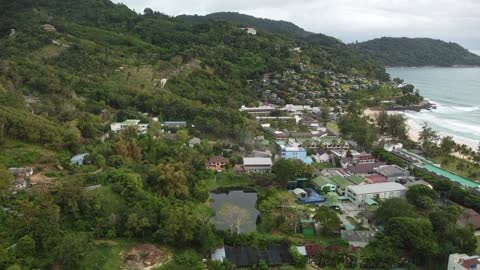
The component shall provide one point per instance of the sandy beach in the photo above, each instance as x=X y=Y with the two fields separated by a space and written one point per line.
x=415 y=128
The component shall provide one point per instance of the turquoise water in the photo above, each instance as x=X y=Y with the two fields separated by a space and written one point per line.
x=455 y=91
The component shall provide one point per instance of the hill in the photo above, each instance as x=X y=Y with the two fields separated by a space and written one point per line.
x=417 y=52
x=273 y=26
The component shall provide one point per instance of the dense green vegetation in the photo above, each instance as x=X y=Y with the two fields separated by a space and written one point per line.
x=416 y=52
x=279 y=27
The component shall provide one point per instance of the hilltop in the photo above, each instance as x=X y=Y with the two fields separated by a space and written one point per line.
x=416 y=52
x=273 y=26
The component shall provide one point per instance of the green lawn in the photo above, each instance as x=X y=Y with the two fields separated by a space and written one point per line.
x=469 y=170
x=105 y=255
x=228 y=180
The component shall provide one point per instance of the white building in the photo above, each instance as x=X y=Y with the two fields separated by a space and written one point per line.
x=264 y=110
x=250 y=30
x=257 y=165
x=463 y=262
x=120 y=127
x=359 y=194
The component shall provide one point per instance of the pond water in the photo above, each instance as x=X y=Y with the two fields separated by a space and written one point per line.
x=235 y=205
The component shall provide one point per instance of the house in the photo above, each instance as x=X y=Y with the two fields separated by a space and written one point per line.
x=321 y=182
x=79 y=159
x=257 y=165
x=21 y=177
x=470 y=218
x=246 y=256
x=250 y=30
x=194 y=141
x=119 y=127
x=174 y=124
x=293 y=151
x=364 y=169
x=463 y=262
x=217 y=163
x=365 y=158
x=49 y=28
x=358 y=195
x=321 y=157
x=375 y=179
x=393 y=173
x=357 y=238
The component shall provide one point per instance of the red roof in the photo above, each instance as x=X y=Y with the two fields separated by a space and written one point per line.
x=468 y=264
x=365 y=156
x=377 y=179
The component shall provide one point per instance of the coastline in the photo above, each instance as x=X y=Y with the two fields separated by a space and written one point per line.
x=414 y=128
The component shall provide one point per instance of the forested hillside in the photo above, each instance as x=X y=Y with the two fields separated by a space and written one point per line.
x=69 y=68
x=416 y=52
x=279 y=27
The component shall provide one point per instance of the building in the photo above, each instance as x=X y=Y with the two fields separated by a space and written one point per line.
x=375 y=179
x=246 y=256
x=470 y=218
x=358 y=195
x=174 y=124
x=194 y=141
x=21 y=177
x=263 y=110
x=119 y=127
x=48 y=28
x=257 y=165
x=217 y=163
x=250 y=30
x=463 y=262
x=322 y=157
x=78 y=159
x=364 y=169
x=293 y=151
x=365 y=158
x=393 y=173
x=321 y=182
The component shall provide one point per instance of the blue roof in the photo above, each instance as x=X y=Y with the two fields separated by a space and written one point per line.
x=79 y=157
x=314 y=197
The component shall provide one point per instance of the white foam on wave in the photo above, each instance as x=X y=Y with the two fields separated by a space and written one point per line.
x=448 y=109
x=444 y=127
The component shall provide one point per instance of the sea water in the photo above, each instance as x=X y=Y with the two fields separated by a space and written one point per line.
x=456 y=93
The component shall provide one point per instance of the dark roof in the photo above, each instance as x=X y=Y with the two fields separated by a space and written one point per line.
x=366 y=156
x=217 y=159
x=470 y=217
x=365 y=168
x=313 y=249
x=249 y=256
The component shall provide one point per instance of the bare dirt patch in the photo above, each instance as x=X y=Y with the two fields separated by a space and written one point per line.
x=145 y=256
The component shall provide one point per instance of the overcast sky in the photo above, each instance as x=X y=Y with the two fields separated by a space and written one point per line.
x=349 y=20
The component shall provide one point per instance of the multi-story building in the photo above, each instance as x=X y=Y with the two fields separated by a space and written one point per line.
x=360 y=194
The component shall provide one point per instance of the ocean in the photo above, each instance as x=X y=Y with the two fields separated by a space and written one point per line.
x=456 y=93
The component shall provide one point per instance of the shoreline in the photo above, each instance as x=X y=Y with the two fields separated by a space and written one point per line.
x=414 y=128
